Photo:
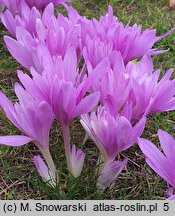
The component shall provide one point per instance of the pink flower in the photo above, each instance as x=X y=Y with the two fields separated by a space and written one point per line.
x=149 y=94
x=40 y=38
x=61 y=86
x=77 y=160
x=15 y=6
x=109 y=173
x=44 y=172
x=40 y=4
x=135 y=90
x=101 y=37
x=26 y=20
x=161 y=163
x=66 y=90
x=114 y=86
x=112 y=135
x=34 y=119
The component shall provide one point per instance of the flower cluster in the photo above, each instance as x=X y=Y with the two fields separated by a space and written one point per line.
x=16 y=6
x=98 y=70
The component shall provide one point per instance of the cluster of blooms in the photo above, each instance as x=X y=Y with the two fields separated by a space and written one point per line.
x=77 y=66
x=15 y=6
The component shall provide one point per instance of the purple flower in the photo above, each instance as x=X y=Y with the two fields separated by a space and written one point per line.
x=40 y=4
x=26 y=20
x=112 y=135
x=62 y=87
x=33 y=119
x=52 y=47
x=149 y=94
x=114 y=86
x=44 y=172
x=27 y=51
x=94 y=39
x=101 y=37
x=171 y=198
x=15 y=6
x=40 y=38
x=77 y=160
x=161 y=163
x=95 y=50
x=109 y=173
x=135 y=88
x=65 y=89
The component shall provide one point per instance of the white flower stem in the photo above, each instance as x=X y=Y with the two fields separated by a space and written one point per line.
x=48 y=158
x=67 y=146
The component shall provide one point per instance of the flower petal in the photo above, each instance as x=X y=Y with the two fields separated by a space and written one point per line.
x=87 y=104
x=43 y=170
x=77 y=161
x=167 y=143
x=171 y=197
x=110 y=173
x=16 y=140
x=19 y=52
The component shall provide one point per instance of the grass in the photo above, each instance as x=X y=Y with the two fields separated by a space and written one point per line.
x=18 y=177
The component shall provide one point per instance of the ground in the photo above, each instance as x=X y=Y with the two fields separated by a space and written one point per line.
x=18 y=177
